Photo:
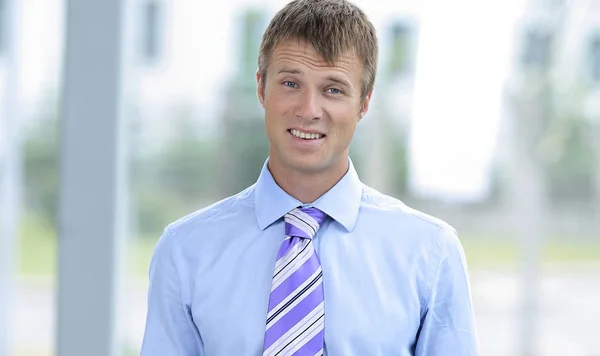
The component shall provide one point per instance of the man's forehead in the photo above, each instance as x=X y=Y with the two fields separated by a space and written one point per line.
x=300 y=50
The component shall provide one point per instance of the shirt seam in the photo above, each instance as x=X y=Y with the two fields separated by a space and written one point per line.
x=440 y=226
x=185 y=297
x=437 y=270
x=174 y=252
x=435 y=277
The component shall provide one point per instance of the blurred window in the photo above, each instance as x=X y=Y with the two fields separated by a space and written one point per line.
x=537 y=49
x=402 y=48
x=594 y=58
x=3 y=24
x=151 y=30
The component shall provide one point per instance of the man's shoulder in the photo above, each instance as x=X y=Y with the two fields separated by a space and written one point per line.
x=403 y=215
x=220 y=212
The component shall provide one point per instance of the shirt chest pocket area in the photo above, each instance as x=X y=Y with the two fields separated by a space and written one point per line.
x=379 y=326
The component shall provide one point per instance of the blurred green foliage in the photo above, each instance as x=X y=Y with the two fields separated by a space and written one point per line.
x=173 y=180
x=568 y=153
x=41 y=166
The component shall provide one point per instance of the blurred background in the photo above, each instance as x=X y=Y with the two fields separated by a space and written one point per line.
x=485 y=114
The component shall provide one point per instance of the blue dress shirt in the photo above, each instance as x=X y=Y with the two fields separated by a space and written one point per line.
x=395 y=279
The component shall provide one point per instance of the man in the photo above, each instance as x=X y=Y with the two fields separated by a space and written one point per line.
x=309 y=261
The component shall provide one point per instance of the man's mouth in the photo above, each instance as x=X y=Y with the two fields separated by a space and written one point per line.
x=305 y=135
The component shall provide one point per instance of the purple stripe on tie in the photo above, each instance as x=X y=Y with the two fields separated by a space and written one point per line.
x=316 y=214
x=293 y=230
x=289 y=285
x=313 y=346
x=286 y=245
x=293 y=316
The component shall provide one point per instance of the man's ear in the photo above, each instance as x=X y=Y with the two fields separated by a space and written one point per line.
x=364 y=107
x=260 y=90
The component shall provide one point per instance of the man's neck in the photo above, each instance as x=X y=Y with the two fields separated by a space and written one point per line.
x=307 y=186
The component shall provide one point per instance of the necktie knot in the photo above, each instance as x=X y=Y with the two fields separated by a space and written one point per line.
x=303 y=222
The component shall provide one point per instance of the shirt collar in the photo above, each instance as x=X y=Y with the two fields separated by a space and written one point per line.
x=341 y=202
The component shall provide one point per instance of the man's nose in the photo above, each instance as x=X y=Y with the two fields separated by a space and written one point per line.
x=309 y=106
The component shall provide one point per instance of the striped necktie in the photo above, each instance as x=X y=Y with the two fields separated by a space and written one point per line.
x=295 y=321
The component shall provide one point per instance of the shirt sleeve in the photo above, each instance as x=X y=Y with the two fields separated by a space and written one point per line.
x=170 y=329
x=448 y=326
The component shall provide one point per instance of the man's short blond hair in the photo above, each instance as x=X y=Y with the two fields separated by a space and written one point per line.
x=332 y=27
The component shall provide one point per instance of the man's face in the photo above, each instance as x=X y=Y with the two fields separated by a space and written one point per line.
x=311 y=108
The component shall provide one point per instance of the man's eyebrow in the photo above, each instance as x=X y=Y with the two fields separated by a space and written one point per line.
x=339 y=80
x=289 y=71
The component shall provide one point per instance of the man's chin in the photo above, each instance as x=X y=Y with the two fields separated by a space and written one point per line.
x=309 y=165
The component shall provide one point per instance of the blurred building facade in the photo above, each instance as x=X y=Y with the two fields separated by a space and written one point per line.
x=550 y=128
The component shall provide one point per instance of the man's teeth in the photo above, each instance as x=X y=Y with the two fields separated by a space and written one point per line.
x=306 y=136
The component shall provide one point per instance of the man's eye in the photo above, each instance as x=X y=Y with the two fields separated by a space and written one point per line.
x=334 y=91
x=289 y=84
